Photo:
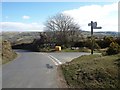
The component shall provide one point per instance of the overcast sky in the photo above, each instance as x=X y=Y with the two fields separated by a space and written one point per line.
x=31 y=16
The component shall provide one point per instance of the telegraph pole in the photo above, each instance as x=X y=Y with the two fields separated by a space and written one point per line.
x=93 y=26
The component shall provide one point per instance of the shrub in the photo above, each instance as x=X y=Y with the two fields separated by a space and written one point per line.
x=96 y=46
x=114 y=48
x=79 y=44
x=118 y=40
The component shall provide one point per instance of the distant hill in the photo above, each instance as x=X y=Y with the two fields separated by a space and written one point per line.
x=100 y=34
x=28 y=37
x=20 y=37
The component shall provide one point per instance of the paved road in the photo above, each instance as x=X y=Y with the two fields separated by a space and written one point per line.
x=67 y=56
x=34 y=69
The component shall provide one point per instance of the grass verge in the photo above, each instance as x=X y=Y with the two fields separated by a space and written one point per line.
x=76 y=50
x=92 y=71
x=8 y=59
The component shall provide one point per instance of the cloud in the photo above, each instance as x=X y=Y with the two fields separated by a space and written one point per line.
x=105 y=15
x=18 y=26
x=26 y=17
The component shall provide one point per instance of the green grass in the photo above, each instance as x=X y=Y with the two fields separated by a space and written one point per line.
x=92 y=71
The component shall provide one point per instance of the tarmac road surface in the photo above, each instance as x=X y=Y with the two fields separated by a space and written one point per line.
x=34 y=69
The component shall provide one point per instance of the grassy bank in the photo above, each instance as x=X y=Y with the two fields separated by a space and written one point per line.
x=83 y=50
x=92 y=71
x=6 y=59
x=6 y=52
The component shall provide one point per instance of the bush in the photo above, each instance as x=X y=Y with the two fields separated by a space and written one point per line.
x=105 y=42
x=79 y=44
x=114 y=48
x=96 y=46
x=118 y=40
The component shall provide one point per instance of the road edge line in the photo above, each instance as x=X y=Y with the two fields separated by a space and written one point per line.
x=53 y=61
x=58 y=61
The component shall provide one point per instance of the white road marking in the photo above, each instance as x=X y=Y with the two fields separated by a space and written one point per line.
x=55 y=59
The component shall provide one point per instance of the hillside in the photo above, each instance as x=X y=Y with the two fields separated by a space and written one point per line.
x=20 y=37
x=28 y=37
x=100 y=34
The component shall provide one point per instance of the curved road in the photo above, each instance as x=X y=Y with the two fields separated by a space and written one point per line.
x=34 y=69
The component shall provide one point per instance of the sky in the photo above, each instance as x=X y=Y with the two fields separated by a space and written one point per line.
x=31 y=16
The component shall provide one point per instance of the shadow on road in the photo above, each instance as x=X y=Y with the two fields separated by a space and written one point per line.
x=20 y=50
x=49 y=66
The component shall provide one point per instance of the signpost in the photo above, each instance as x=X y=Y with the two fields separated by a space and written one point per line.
x=93 y=26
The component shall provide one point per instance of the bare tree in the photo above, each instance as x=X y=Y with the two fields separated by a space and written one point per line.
x=62 y=26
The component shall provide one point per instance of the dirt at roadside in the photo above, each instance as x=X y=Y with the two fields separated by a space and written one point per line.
x=60 y=78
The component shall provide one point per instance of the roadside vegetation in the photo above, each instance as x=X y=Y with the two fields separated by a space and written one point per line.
x=6 y=52
x=92 y=71
x=76 y=50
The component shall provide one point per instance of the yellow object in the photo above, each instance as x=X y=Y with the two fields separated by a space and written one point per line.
x=58 y=48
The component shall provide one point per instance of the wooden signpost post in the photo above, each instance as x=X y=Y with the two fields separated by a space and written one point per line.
x=93 y=26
